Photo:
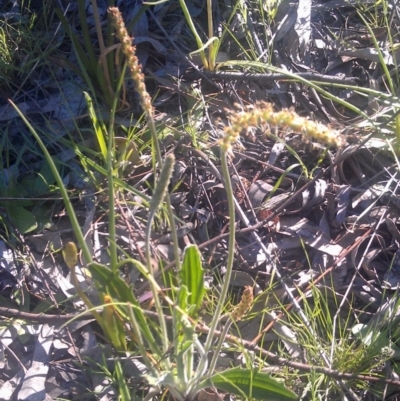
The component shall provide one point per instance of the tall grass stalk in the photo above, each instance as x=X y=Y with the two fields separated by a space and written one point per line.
x=70 y=210
x=63 y=191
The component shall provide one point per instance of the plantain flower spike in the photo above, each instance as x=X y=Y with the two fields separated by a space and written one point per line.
x=263 y=113
x=129 y=51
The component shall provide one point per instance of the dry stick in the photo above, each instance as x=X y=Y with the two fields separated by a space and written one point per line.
x=43 y=199
x=43 y=317
x=201 y=328
x=245 y=76
x=297 y=365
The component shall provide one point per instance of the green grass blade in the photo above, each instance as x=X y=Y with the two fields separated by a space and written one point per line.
x=290 y=75
x=180 y=337
x=159 y=193
x=199 y=42
x=98 y=127
x=380 y=54
x=397 y=148
x=122 y=385
x=121 y=184
x=86 y=33
x=68 y=205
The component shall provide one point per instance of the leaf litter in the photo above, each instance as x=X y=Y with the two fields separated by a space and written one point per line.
x=333 y=214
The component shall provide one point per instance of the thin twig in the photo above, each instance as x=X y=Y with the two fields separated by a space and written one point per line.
x=201 y=328
x=268 y=77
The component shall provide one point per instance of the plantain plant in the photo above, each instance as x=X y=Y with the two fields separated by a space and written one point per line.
x=167 y=339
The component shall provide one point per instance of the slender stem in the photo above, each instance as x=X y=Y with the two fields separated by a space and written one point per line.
x=105 y=73
x=210 y=35
x=68 y=205
x=397 y=147
x=231 y=250
x=221 y=339
x=110 y=176
x=174 y=234
x=194 y=31
x=158 y=196
x=71 y=214
x=139 y=340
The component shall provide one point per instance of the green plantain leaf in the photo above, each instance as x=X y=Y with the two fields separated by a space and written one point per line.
x=114 y=328
x=22 y=219
x=183 y=296
x=44 y=179
x=110 y=283
x=192 y=276
x=252 y=384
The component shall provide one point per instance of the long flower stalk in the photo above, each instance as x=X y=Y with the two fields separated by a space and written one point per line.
x=137 y=75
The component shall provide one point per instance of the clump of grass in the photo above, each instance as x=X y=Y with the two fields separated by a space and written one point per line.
x=336 y=337
x=100 y=67
x=22 y=43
